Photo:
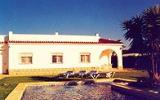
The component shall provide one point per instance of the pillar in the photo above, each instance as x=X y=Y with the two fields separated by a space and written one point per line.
x=120 y=59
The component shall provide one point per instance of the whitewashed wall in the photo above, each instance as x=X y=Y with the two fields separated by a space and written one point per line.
x=42 y=52
x=53 y=37
x=42 y=55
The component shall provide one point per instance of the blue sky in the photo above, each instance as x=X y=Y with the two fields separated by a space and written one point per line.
x=69 y=16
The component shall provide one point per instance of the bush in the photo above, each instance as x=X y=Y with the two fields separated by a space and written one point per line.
x=89 y=82
x=71 y=83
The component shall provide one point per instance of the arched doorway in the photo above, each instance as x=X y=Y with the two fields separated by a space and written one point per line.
x=109 y=57
x=114 y=60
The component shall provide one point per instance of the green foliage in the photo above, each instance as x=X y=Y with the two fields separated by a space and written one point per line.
x=133 y=33
x=143 y=32
x=9 y=83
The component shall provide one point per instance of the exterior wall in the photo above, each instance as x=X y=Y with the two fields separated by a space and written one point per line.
x=42 y=55
x=53 y=37
x=2 y=37
x=1 y=62
x=5 y=58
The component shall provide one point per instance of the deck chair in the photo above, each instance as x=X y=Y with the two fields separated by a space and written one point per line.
x=93 y=74
x=102 y=75
x=110 y=74
x=82 y=73
x=68 y=74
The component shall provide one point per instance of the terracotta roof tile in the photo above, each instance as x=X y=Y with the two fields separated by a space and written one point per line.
x=101 y=41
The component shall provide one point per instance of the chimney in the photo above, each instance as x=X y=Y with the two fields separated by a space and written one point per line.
x=10 y=32
x=56 y=33
x=97 y=34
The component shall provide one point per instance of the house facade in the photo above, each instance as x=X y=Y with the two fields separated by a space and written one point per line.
x=32 y=53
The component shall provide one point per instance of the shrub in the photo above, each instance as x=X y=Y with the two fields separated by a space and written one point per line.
x=71 y=83
x=89 y=82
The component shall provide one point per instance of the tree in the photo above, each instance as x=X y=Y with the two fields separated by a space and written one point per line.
x=143 y=32
x=151 y=32
x=133 y=33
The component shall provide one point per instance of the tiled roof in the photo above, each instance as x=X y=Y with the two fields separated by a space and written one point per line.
x=101 y=41
x=50 y=42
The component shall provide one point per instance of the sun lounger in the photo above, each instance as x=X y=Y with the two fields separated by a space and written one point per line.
x=82 y=73
x=110 y=74
x=102 y=75
x=93 y=74
x=68 y=74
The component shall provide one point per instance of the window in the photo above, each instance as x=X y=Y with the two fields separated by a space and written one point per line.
x=57 y=58
x=85 y=57
x=26 y=58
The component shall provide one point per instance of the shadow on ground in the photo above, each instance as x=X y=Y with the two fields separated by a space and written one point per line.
x=51 y=78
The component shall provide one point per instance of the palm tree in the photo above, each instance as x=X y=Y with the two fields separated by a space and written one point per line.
x=143 y=32
x=133 y=33
x=151 y=33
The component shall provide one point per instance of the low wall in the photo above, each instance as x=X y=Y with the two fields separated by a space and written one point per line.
x=17 y=93
x=143 y=94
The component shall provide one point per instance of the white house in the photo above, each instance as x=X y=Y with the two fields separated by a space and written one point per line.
x=32 y=53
